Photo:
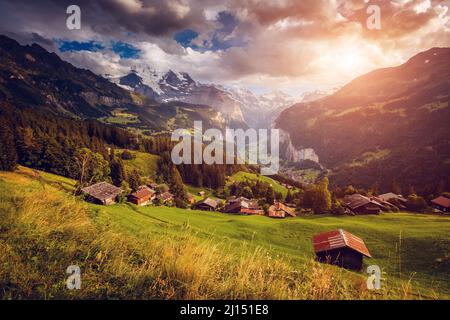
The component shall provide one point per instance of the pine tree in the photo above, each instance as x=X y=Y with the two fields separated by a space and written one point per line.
x=322 y=201
x=270 y=195
x=8 y=154
x=117 y=172
x=289 y=197
x=176 y=183
x=134 y=180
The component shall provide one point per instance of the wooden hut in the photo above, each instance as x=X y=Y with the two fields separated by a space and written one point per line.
x=441 y=203
x=340 y=248
x=207 y=204
x=102 y=193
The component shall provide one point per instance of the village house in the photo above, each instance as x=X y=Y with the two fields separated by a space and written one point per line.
x=243 y=206
x=393 y=199
x=441 y=203
x=165 y=197
x=202 y=193
x=207 y=204
x=102 y=193
x=359 y=205
x=142 y=197
x=340 y=248
x=281 y=211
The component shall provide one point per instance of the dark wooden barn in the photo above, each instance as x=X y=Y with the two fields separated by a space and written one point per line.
x=102 y=193
x=340 y=248
x=360 y=205
x=441 y=203
x=207 y=204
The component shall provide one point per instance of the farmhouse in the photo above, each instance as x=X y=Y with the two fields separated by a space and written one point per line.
x=340 y=248
x=207 y=204
x=441 y=203
x=359 y=204
x=102 y=193
x=391 y=199
x=142 y=197
x=279 y=210
x=243 y=206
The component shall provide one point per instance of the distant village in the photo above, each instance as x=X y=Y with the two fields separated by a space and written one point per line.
x=153 y=194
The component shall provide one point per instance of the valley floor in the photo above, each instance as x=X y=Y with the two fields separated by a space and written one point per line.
x=126 y=251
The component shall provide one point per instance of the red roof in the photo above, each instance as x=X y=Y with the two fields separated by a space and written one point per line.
x=442 y=201
x=142 y=193
x=339 y=239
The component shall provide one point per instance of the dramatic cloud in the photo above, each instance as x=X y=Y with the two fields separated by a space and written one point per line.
x=271 y=44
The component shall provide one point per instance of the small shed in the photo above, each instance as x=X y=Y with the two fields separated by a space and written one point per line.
x=441 y=203
x=340 y=248
x=142 y=197
x=102 y=193
x=207 y=204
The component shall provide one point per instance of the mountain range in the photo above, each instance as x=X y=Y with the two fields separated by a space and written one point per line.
x=32 y=77
x=240 y=107
x=387 y=126
x=390 y=125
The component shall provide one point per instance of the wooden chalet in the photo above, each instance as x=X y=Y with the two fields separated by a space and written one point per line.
x=340 y=248
x=243 y=206
x=207 y=204
x=281 y=211
x=441 y=203
x=391 y=199
x=102 y=193
x=359 y=205
x=142 y=197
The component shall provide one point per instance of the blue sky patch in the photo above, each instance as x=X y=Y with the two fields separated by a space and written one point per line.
x=92 y=46
x=185 y=37
x=218 y=39
x=125 y=50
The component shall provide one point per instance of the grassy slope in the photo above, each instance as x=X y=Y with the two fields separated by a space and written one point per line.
x=421 y=239
x=424 y=239
x=242 y=176
x=144 y=163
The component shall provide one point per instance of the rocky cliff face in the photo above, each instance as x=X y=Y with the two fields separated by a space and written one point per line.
x=292 y=154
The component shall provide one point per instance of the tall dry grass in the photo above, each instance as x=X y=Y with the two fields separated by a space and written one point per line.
x=44 y=232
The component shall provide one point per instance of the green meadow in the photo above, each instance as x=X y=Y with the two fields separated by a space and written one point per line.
x=169 y=253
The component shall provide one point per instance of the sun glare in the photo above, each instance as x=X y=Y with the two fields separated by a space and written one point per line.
x=351 y=60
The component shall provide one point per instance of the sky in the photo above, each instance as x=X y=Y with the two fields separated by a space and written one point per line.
x=289 y=45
